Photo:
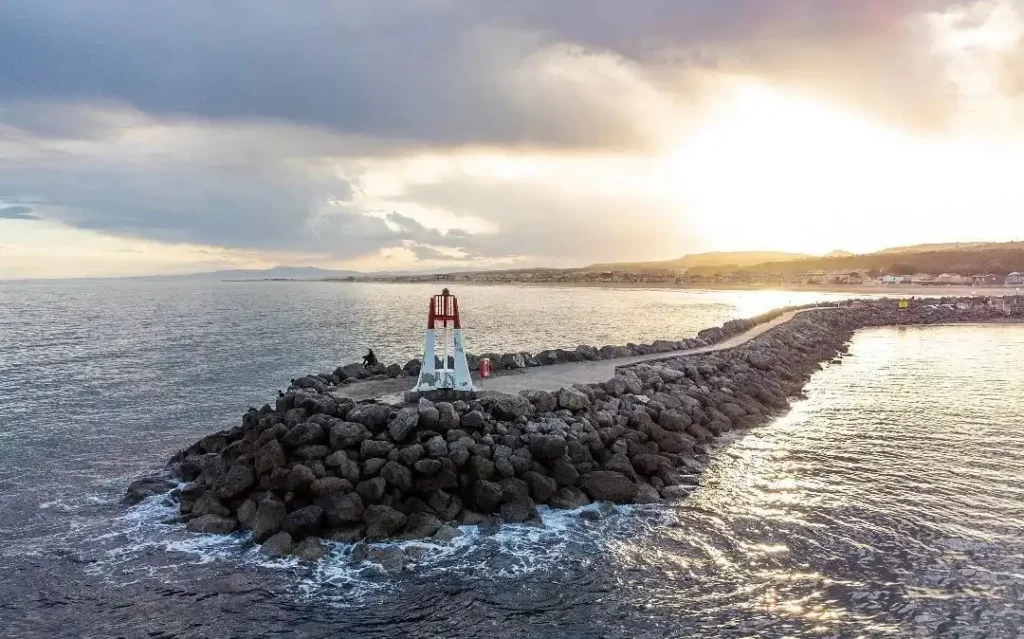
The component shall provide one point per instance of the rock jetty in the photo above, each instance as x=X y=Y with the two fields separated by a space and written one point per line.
x=313 y=466
x=355 y=373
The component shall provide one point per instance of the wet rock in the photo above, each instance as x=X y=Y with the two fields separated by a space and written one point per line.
x=391 y=558
x=519 y=511
x=487 y=496
x=278 y=545
x=212 y=524
x=421 y=526
x=247 y=512
x=347 y=534
x=382 y=522
x=208 y=504
x=676 y=492
x=304 y=521
x=646 y=494
x=447 y=534
x=542 y=487
x=605 y=485
x=299 y=478
x=270 y=516
x=310 y=549
x=489 y=527
x=409 y=455
x=569 y=498
x=239 y=479
x=473 y=420
x=340 y=509
x=674 y=420
x=140 y=489
x=564 y=472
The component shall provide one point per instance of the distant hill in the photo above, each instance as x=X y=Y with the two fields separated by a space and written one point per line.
x=952 y=246
x=734 y=260
x=965 y=259
x=276 y=273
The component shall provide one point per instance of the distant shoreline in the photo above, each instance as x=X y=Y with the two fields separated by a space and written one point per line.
x=892 y=290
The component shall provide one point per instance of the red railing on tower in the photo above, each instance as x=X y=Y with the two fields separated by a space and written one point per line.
x=444 y=308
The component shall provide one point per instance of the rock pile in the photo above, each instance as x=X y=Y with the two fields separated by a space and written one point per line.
x=317 y=466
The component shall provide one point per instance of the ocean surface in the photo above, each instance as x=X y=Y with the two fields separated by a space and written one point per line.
x=890 y=502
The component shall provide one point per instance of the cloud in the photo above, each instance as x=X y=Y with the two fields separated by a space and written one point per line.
x=590 y=73
x=17 y=213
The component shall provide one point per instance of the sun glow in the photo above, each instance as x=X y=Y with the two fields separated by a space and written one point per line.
x=767 y=168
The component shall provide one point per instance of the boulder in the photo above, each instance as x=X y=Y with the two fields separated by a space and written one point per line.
x=270 y=516
x=329 y=485
x=278 y=545
x=487 y=496
x=519 y=510
x=382 y=522
x=299 y=478
x=447 y=534
x=372 y=490
x=447 y=416
x=310 y=549
x=473 y=420
x=270 y=456
x=543 y=401
x=212 y=524
x=240 y=478
x=397 y=475
x=428 y=467
x=568 y=498
x=370 y=415
x=606 y=485
x=348 y=435
x=403 y=424
x=646 y=494
x=208 y=504
x=340 y=509
x=420 y=526
x=304 y=521
x=305 y=434
x=375 y=448
x=674 y=420
x=572 y=399
x=436 y=447
x=547 y=447
x=511 y=407
x=140 y=489
x=542 y=487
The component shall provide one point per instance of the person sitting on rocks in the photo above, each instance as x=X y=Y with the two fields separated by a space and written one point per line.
x=370 y=359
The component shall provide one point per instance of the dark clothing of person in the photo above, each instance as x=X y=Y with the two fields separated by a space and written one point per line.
x=369 y=359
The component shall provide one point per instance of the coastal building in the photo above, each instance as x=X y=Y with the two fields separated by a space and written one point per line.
x=893 y=279
x=1014 y=279
x=986 y=280
x=951 y=278
x=921 y=278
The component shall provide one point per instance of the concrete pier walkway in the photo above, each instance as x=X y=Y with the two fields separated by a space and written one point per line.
x=554 y=376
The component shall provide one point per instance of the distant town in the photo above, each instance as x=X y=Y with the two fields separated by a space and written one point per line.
x=736 y=278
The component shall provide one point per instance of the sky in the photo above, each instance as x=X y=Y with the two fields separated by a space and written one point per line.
x=140 y=138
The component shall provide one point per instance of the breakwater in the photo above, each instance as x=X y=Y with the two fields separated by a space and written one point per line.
x=315 y=466
x=355 y=373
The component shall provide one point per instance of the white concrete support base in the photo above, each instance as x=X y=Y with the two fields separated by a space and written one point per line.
x=442 y=378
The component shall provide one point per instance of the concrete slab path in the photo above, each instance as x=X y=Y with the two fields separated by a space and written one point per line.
x=555 y=376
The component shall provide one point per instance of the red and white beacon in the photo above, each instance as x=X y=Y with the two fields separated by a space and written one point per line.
x=444 y=351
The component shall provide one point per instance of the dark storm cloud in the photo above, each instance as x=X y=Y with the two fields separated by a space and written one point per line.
x=445 y=71
x=17 y=213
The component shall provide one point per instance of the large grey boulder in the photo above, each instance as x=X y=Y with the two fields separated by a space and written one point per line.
x=370 y=415
x=239 y=479
x=572 y=399
x=341 y=508
x=382 y=522
x=547 y=447
x=140 y=489
x=403 y=424
x=212 y=524
x=348 y=434
x=270 y=456
x=270 y=515
x=606 y=485
x=278 y=545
